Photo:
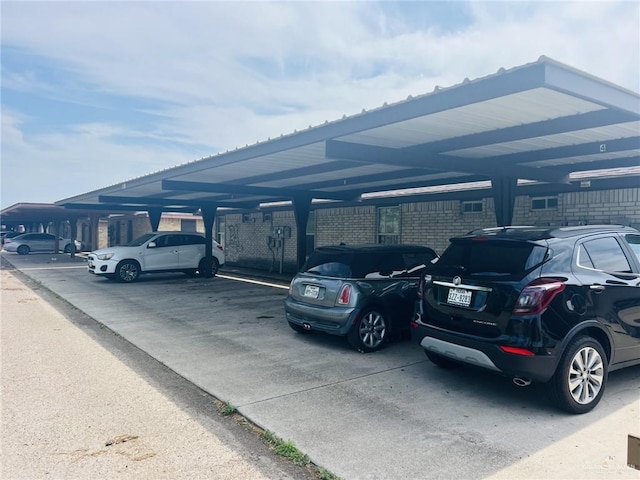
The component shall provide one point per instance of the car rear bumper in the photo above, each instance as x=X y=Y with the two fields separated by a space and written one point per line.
x=483 y=353
x=334 y=320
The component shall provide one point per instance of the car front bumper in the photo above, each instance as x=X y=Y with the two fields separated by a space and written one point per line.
x=101 y=267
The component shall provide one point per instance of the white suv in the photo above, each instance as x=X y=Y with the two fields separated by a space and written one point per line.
x=153 y=253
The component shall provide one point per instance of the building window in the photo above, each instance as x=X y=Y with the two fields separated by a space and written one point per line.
x=220 y=230
x=311 y=233
x=187 y=225
x=389 y=225
x=544 y=203
x=472 y=207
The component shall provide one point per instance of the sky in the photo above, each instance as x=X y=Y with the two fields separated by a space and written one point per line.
x=94 y=93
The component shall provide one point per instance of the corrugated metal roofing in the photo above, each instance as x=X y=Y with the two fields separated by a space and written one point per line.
x=539 y=121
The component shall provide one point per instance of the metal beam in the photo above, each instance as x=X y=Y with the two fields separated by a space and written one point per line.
x=436 y=162
x=248 y=190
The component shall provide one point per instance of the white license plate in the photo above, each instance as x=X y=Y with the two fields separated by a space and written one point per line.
x=459 y=296
x=311 y=291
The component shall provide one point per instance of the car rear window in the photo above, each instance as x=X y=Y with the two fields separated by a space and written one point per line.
x=341 y=264
x=483 y=257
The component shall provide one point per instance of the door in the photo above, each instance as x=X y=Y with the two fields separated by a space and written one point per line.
x=42 y=242
x=162 y=256
x=614 y=292
x=191 y=250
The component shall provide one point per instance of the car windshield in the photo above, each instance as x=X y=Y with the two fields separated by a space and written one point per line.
x=141 y=240
x=482 y=257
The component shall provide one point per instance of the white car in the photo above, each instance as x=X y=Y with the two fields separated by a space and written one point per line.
x=38 y=242
x=154 y=253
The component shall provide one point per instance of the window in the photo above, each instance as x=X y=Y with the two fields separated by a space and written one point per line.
x=389 y=225
x=634 y=243
x=544 y=203
x=311 y=232
x=603 y=254
x=471 y=207
x=220 y=230
x=187 y=225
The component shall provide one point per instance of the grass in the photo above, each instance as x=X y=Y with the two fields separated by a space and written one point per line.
x=286 y=449
x=226 y=408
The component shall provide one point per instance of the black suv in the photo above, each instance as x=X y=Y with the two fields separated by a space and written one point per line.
x=363 y=292
x=558 y=305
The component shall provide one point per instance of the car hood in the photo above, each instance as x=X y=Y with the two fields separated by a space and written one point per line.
x=117 y=250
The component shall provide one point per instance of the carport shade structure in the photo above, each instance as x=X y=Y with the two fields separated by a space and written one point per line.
x=540 y=122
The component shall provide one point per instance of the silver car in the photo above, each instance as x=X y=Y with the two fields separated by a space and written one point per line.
x=363 y=292
x=38 y=242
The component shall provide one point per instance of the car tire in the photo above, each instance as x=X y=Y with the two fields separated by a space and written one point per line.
x=442 y=361
x=127 y=271
x=581 y=377
x=67 y=248
x=299 y=328
x=215 y=266
x=370 y=331
x=23 y=250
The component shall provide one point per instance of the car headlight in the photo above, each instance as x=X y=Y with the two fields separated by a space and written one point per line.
x=105 y=256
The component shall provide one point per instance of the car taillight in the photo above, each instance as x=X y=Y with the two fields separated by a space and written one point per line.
x=517 y=351
x=345 y=294
x=537 y=295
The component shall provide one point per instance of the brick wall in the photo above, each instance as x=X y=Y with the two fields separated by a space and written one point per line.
x=425 y=223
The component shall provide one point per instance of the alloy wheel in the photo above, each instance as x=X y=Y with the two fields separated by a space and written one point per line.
x=585 y=375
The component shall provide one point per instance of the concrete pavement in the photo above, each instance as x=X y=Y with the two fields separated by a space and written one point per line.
x=73 y=409
x=389 y=415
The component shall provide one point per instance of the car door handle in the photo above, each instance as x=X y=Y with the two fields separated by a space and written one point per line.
x=597 y=288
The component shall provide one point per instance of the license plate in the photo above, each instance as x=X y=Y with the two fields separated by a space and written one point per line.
x=311 y=291
x=459 y=296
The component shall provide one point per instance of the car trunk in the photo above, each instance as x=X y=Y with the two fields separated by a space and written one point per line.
x=475 y=285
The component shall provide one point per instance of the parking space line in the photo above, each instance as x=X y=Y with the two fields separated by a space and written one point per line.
x=50 y=268
x=257 y=282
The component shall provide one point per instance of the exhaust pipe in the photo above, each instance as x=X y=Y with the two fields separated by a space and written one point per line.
x=521 y=382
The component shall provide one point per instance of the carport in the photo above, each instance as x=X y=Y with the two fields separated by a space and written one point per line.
x=542 y=122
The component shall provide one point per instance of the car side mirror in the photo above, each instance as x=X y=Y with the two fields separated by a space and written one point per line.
x=151 y=245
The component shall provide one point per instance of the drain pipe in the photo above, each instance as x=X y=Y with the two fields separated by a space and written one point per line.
x=521 y=381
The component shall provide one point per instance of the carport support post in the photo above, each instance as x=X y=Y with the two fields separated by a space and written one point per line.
x=208 y=218
x=155 y=214
x=504 y=198
x=301 y=208
x=94 y=222
x=73 y=226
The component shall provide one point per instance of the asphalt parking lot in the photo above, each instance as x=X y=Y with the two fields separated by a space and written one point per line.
x=386 y=415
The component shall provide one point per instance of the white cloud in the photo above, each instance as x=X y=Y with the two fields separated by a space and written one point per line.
x=218 y=75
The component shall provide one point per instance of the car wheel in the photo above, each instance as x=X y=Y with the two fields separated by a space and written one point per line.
x=215 y=265
x=67 y=248
x=370 y=331
x=580 y=380
x=299 y=328
x=441 y=361
x=23 y=250
x=128 y=271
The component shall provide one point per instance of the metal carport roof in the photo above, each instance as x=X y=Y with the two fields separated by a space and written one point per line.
x=541 y=121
